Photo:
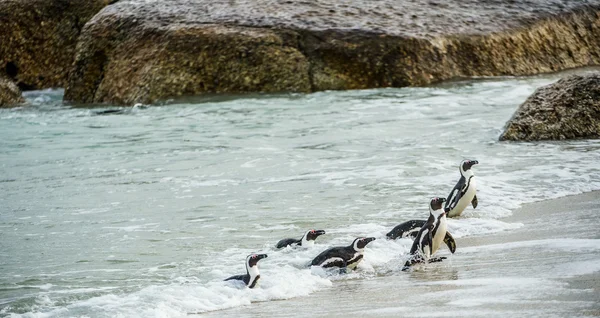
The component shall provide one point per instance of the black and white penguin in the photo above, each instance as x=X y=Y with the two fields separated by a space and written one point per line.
x=411 y=229
x=406 y=229
x=343 y=256
x=464 y=192
x=430 y=236
x=307 y=240
x=252 y=275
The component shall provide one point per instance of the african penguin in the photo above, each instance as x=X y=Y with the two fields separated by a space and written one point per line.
x=343 y=256
x=406 y=229
x=411 y=229
x=464 y=192
x=252 y=275
x=430 y=236
x=307 y=240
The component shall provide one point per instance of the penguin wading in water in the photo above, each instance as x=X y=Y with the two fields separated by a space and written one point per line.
x=252 y=275
x=343 y=256
x=406 y=229
x=307 y=240
x=464 y=192
x=411 y=228
x=430 y=236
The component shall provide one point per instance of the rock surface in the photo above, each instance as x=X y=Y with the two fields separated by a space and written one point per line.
x=38 y=39
x=567 y=109
x=147 y=50
x=10 y=94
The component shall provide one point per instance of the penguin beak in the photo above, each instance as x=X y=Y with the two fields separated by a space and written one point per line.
x=261 y=256
x=474 y=162
x=319 y=232
x=369 y=239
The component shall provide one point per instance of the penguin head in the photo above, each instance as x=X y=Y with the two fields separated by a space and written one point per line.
x=252 y=259
x=360 y=243
x=435 y=206
x=466 y=165
x=313 y=234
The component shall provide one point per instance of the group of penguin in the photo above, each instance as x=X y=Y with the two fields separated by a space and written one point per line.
x=428 y=234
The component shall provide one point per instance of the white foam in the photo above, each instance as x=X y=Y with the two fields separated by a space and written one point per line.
x=577 y=268
x=181 y=299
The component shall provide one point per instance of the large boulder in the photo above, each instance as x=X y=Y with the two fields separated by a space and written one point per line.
x=38 y=38
x=148 y=50
x=567 y=109
x=10 y=94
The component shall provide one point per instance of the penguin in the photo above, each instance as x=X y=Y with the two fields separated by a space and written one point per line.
x=252 y=275
x=406 y=229
x=109 y=112
x=343 y=256
x=307 y=240
x=464 y=191
x=430 y=235
x=411 y=229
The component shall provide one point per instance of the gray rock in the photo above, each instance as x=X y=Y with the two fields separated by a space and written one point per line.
x=567 y=109
x=38 y=38
x=141 y=51
x=10 y=94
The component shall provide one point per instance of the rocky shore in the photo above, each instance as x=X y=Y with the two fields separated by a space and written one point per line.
x=131 y=51
x=38 y=39
x=146 y=51
x=10 y=94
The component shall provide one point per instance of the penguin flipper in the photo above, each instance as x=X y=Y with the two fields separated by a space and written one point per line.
x=474 y=202
x=449 y=240
x=235 y=277
x=430 y=238
x=453 y=199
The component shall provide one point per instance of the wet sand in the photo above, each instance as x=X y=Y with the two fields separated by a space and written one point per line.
x=549 y=267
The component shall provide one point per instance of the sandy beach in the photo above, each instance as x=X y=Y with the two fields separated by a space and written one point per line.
x=557 y=246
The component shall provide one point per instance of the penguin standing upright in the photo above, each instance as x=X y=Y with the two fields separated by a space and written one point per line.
x=464 y=192
x=307 y=240
x=252 y=275
x=343 y=256
x=430 y=236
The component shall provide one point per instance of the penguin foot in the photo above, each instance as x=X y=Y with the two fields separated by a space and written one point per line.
x=409 y=263
x=437 y=259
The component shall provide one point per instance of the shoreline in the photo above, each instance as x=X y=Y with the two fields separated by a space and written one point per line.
x=530 y=213
x=489 y=275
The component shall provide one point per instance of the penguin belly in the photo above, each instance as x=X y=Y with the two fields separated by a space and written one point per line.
x=464 y=201
x=439 y=236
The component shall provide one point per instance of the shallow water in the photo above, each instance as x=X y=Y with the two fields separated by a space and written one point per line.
x=143 y=212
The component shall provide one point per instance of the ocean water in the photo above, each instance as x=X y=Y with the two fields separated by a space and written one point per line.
x=142 y=212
